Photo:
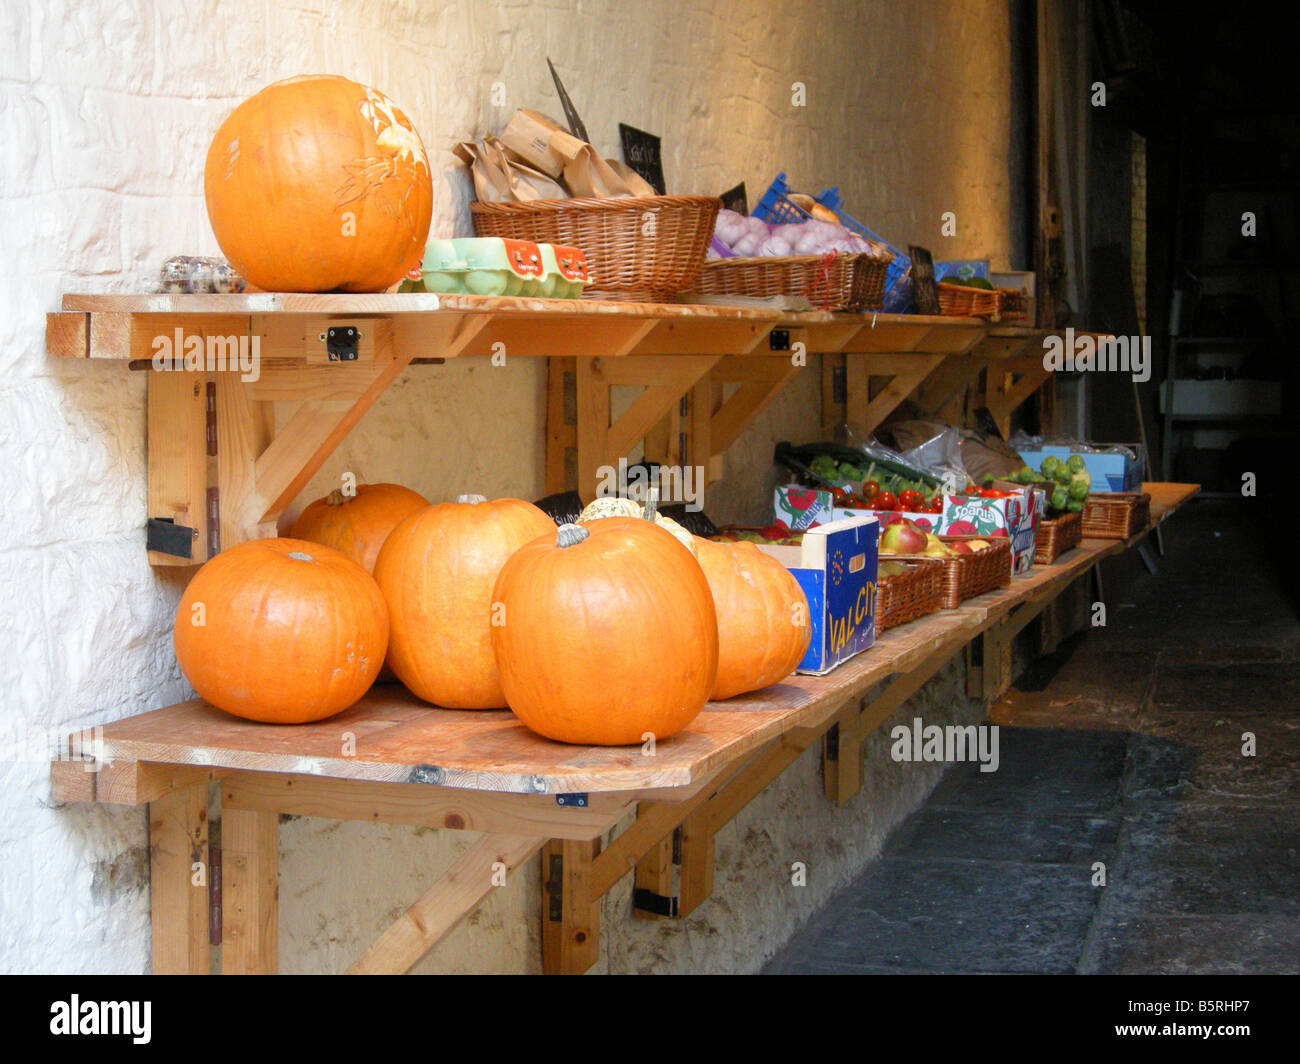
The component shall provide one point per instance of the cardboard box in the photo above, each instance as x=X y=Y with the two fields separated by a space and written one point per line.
x=799 y=508
x=1015 y=518
x=836 y=567
x=1109 y=472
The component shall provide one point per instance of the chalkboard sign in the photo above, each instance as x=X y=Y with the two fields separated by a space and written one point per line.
x=736 y=199
x=923 y=286
x=641 y=153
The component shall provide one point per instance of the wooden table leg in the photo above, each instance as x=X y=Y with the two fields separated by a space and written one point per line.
x=179 y=871
x=250 y=892
x=570 y=914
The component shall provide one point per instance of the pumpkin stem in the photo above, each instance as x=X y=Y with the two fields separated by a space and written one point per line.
x=336 y=498
x=473 y=500
x=651 y=502
x=570 y=535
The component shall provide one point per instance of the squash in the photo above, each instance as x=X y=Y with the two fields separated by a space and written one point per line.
x=357 y=525
x=437 y=570
x=763 y=620
x=318 y=184
x=609 y=635
x=616 y=506
x=281 y=630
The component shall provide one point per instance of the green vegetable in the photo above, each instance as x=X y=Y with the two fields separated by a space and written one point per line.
x=1075 y=506
x=1075 y=463
x=1078 y=489
x=1050 y=465
x=1059 y=499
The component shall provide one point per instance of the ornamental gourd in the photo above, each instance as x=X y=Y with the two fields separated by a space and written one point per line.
x=437 y=570
x=763 y=621
x=318 y=184
x=615 y=506
x=281 y=630
x=358 y=524
x=610 y=633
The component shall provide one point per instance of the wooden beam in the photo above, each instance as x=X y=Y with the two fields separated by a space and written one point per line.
x=570 y=908
x=250 y=892
x=745 y=404
x=654 y=873
x=695 y=845
x=179 y=873
x=561 y=427
x=67 y=334
x=479 y=871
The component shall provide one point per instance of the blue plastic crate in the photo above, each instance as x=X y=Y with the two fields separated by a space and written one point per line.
x=776 y=206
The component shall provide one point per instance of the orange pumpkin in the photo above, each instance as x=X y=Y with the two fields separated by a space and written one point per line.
x=436 y=571
x=763 y=622
x=281 y=630
x=609 y=633
x=318 y=184
x=357 y=525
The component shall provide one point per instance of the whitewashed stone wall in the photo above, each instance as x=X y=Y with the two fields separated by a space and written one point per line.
x=106 y=109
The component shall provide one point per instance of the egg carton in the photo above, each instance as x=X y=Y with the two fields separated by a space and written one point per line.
x=496 y=266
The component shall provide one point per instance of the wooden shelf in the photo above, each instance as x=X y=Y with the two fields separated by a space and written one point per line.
x=723 y=364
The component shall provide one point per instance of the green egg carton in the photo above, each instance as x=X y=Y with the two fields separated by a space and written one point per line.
x=495 y=266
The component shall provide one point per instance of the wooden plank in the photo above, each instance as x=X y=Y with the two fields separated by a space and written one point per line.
x=67 y=334
x=654 y=873
x=833 y=370
x=242 y=435
x=570 y=909
x=474 y=875
x=593 y=424
x=744 y=405
x=561 y=432
x=418 y=804
x=906 y=379
x=177 y=442
x=179 y=871
x=293 y=382
x=695 y=841
x=249 y=892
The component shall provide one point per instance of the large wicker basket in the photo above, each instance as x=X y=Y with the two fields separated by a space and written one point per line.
x=1115 y=515
x=1057 y=536
x=644 y=248
x=910 y=595
x=958 y=301
x=831 y=282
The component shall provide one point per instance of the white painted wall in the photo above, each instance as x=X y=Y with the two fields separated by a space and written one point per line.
x=106 y=110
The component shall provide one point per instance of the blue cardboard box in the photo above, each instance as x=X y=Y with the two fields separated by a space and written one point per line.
x=836 y=567
x=1109 y=472
x=963 y=268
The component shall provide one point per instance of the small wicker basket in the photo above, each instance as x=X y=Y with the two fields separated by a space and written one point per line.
x=910 y=595
x=1013 y=307
x=958 y=301
x=638 y=248
x=1057 y=536
x=831 y=282
x=968 y=575
x=1115 y=515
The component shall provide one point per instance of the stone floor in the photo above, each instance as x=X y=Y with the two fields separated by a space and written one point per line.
x=1124 y=749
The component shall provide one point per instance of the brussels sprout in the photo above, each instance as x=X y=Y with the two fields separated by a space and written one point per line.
x=1062 y=475
x=1078 y=489
x=1075 y=463
x=1050 y=465
x=1075 y=506
x=1060 y=498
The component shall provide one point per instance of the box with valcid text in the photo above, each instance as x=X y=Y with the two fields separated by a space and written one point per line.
x=836 y=567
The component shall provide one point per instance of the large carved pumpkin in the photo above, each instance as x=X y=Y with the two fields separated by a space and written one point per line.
x=436 y=571
x=357 y=525
x=281 y=630
x=609 y=633
x=318 y=184
x=763 y=623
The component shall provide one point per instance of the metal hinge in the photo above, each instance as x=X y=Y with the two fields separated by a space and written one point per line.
x=555 y=889
x=579 y=800
x=778 y=340
x=656 y=904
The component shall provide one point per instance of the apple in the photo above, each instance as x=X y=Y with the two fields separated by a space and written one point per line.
x=962 y=548
x=902 y=537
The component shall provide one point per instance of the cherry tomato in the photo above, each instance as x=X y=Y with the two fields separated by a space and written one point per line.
x=870 y=488
x=935 y=505
x=886 y=500
x=841 y=496
x=911 y=500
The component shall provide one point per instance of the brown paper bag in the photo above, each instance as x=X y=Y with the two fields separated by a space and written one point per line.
x=499 y=177
x=540 y=142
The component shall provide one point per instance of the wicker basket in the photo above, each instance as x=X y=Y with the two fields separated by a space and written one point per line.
x=958 y=301
x=1013 y=307
x=1115 y=515
x=968 y=575
x=831 y=282
x=909 y=595
x=643 y=249
x=1057 y=536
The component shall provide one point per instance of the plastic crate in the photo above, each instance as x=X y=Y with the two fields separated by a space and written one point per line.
x=776 y=206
